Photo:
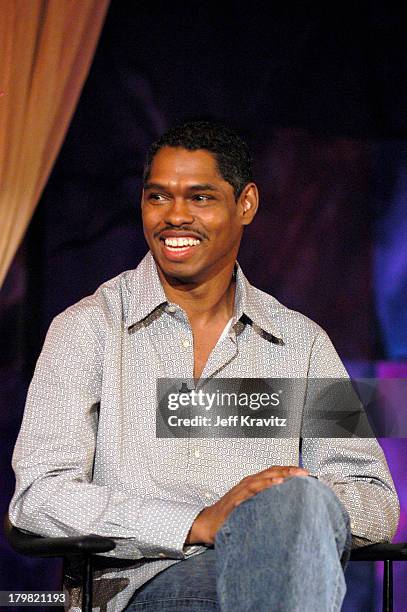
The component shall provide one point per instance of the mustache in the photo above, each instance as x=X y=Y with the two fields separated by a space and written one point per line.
x=181 y=230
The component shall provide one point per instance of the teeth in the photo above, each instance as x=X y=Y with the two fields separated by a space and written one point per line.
x=181 y=242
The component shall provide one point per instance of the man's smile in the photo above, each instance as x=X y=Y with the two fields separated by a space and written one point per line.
x=179 y=247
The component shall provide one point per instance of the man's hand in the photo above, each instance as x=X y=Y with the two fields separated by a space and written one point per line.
x=210 y=519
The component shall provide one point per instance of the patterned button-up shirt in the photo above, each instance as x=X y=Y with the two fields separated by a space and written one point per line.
x=87 y=459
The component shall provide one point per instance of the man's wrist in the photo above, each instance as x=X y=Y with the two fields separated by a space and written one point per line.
x=197 y=533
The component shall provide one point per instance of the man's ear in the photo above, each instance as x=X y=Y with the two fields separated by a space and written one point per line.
x=249 y=203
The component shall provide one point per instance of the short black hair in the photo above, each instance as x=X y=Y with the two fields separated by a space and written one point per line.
x=230 y=151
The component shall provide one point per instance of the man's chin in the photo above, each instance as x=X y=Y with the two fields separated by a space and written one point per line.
x=180 y=272
x=180 y=277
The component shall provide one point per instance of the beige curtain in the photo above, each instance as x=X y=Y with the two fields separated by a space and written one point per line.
x=46 y=49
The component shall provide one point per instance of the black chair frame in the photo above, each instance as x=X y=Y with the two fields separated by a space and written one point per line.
x=84 y=547
x=81 y=548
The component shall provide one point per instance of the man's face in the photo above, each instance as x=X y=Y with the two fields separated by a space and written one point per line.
x=192 y=222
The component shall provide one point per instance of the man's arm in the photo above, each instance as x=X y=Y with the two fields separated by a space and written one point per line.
x=355 y=469
x=54 y=455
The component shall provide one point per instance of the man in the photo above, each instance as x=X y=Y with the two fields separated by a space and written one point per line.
x=199 y=523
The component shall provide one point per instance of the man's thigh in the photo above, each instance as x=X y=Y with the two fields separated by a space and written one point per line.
x=187 y=585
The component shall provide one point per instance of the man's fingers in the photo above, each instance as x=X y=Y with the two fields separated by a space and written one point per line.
x=286 y=470
x=242 y=499
x=266 y=476
x=275 y=472
x=255 y=487
x=292 y=469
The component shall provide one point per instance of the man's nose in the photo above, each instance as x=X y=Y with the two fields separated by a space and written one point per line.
x=179 y=213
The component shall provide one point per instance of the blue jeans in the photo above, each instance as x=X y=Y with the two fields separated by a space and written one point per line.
x=283 y=550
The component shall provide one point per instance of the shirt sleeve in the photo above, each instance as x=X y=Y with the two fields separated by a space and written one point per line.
x=55 y=450
x=355 y=468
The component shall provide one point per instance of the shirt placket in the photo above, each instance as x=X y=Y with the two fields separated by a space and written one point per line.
x=199 y=456
x=201 y=450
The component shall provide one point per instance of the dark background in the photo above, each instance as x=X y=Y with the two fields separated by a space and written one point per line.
x=321 y=97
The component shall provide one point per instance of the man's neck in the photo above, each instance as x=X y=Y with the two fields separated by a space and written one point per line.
x=212 y=299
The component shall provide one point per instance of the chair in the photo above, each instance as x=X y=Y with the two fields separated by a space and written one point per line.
x=82 y=548
x=85 y=546
x=387 y=553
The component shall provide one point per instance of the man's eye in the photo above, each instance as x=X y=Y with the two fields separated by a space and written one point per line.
x=157 y=197
x=201 y=197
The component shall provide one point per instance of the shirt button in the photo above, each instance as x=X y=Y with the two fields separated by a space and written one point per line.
x=207 y=495
x=186 y=343
x=197 y=453
x=171 y=309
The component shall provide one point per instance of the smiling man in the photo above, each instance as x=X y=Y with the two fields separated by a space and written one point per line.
x=231 y=524
x=193 y=224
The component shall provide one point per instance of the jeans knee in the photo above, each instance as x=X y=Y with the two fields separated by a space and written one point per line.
x=309 y=489
x=306 y=488
x=297 y=496
x=301 y=513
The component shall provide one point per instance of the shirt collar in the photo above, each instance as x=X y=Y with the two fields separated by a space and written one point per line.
x=147 y=294
x=146 y=291
x=255 y=304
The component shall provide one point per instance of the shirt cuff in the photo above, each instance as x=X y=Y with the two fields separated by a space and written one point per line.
x=165 y=527
x=190 y=549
